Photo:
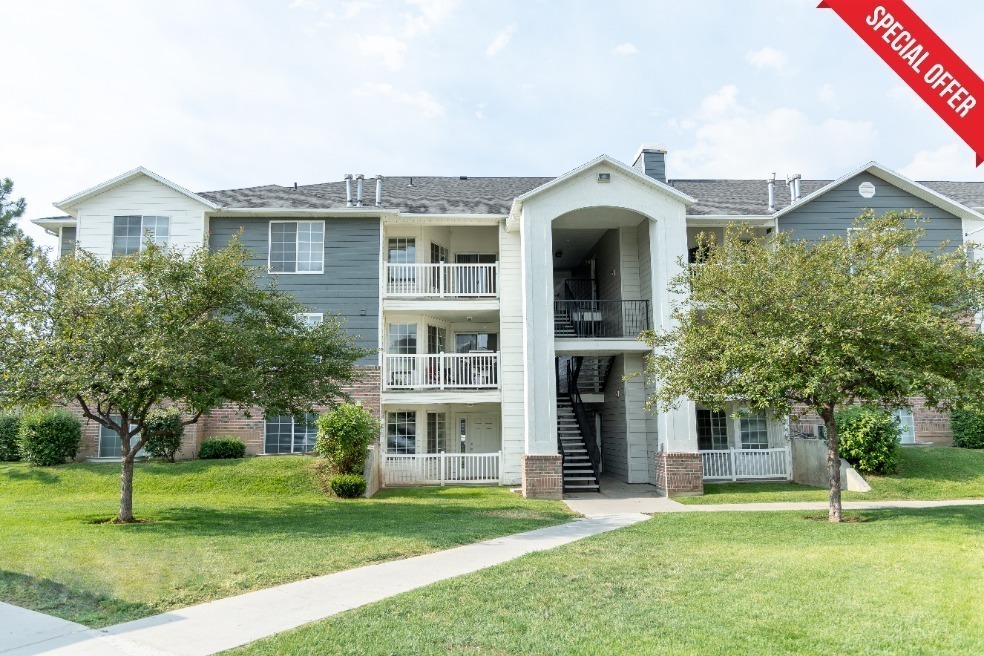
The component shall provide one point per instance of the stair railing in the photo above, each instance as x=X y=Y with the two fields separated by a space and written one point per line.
x=584 y=421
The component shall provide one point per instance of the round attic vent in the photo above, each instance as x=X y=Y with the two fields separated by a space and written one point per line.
x=867 y=190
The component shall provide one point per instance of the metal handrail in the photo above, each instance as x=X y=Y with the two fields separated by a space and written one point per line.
x=602 y=318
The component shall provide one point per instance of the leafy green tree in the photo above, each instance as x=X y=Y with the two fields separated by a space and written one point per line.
x=119 y=337
x=10 y=211
x=864 y=318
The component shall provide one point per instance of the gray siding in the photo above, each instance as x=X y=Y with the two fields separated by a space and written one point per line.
x=606 y=261
x=67 y=245
x=835 y=211
x=614 y=432
x=349 y=284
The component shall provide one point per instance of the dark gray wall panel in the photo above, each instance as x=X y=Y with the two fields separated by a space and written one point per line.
x=349 y=284
x=835 y=211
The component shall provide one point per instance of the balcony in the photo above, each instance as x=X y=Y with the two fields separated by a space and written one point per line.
x=441 y=371
x=600 y=319
x=442 y=280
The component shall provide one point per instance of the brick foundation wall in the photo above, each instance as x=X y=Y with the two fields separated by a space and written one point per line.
x=543 y=476
x=228 y=420
x=931 y=425
x=679 y=474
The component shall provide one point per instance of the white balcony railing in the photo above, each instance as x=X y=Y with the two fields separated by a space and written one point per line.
x=735 y=464
x=442 y=280
x=440 y=468
x=441 y=371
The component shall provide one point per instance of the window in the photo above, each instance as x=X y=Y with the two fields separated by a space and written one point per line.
x=403 y=338
x=476 y=258
x=130 y=233
x=712 y=430
x=284 y=434
x=436 y=339
x=468 y=342
x=311 y=319
x=402 y=250
x=437 y=432
x=109 y=442
x=438 y=253
x=297 y=246
x=401 y=432
x=754 y=431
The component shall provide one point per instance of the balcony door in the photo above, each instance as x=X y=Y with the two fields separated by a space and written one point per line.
x=475 y=280
x=479 y=433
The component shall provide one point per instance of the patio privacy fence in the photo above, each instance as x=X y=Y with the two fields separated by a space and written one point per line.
x=441 y=468
x=738 y=464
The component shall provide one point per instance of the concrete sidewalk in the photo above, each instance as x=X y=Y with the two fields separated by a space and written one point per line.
x=823 y=505
x=20 y=627
x=234 y=621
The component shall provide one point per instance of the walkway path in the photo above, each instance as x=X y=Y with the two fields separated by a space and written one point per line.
x=227 y=623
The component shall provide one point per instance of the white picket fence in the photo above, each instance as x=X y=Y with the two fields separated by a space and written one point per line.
x=441 y=371
x=737 y=464
x=442 y=279
x=441 y=468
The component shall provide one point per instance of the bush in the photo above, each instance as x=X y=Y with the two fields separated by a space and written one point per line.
x=49 y=437
x=869 y=439
x=9 y=425
x=968 y=429
x=344 y=434
x=164 y=426
x=227 y=446
x=347 y=486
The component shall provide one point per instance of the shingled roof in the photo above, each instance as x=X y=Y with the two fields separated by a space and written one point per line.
x=468 y=195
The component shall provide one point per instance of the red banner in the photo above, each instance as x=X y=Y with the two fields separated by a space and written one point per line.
x=923 y=60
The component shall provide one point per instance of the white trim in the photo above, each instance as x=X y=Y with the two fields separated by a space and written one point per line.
x=324 y=212
x=897 y=179
x=75 y=199
x=296 y=273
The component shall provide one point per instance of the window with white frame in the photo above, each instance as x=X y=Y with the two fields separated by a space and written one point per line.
x=401 y=432
x=131 y=233
x=285 y=434
x=712 y=430
x=437 y=432
x=110 y=445
x=311 y=319
x=754 y=429
x=297 y=246
x=403 y=338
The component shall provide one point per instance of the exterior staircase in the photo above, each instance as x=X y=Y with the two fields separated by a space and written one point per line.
x=563 y=326
x=579 y=475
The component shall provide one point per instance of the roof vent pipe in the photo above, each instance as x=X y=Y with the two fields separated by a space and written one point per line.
x=796 y=187
x=348 y=190
x=358 y=189
x=772 y=192
x=379 y=191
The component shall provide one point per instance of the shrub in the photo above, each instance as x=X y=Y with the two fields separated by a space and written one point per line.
x=9 y=425
x=227 y=446
x=968 y=429
x=344 y=434
x=347 y=486
x=869 y=439
x=164 y=426
x=49 y=437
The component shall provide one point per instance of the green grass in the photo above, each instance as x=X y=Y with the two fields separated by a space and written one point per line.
x=903 y=582
x=217 y=528
x=925 y=474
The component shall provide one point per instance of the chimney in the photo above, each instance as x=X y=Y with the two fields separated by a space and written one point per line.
x=772 y=192
x=358 y=189
x=348 y=190
x=379 y=191
x=651 y=161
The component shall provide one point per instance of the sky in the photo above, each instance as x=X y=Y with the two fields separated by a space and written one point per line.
x=216 y=94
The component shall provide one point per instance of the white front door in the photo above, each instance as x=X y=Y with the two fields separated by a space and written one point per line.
x=481 y=433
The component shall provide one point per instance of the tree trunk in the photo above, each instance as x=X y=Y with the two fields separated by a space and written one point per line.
x=126 y=490
x=835 y=513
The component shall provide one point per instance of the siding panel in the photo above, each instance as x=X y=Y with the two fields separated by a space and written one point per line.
x=350 y=283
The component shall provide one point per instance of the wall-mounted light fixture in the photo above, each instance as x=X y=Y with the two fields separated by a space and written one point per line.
x=559 y=254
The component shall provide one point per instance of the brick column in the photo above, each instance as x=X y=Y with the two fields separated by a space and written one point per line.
x=543 y=476
x=679 y=474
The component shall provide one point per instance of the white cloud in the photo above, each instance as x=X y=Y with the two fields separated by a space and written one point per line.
x=429 y=106
x=625 y=49
x=432 y=13
x=480 y=111
x=827 y=94
x=500 y=41
x=303 y=4
x=390 y=49
x=770 y=58
x=954 y=161
x=731 y=140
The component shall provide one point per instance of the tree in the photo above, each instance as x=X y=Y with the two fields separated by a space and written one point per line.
x=864 y=318
x=120 y=337
x=10 y=211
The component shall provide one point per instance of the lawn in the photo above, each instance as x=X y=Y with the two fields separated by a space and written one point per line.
x=217 y=528
x=902 y=582
x=925 y=474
